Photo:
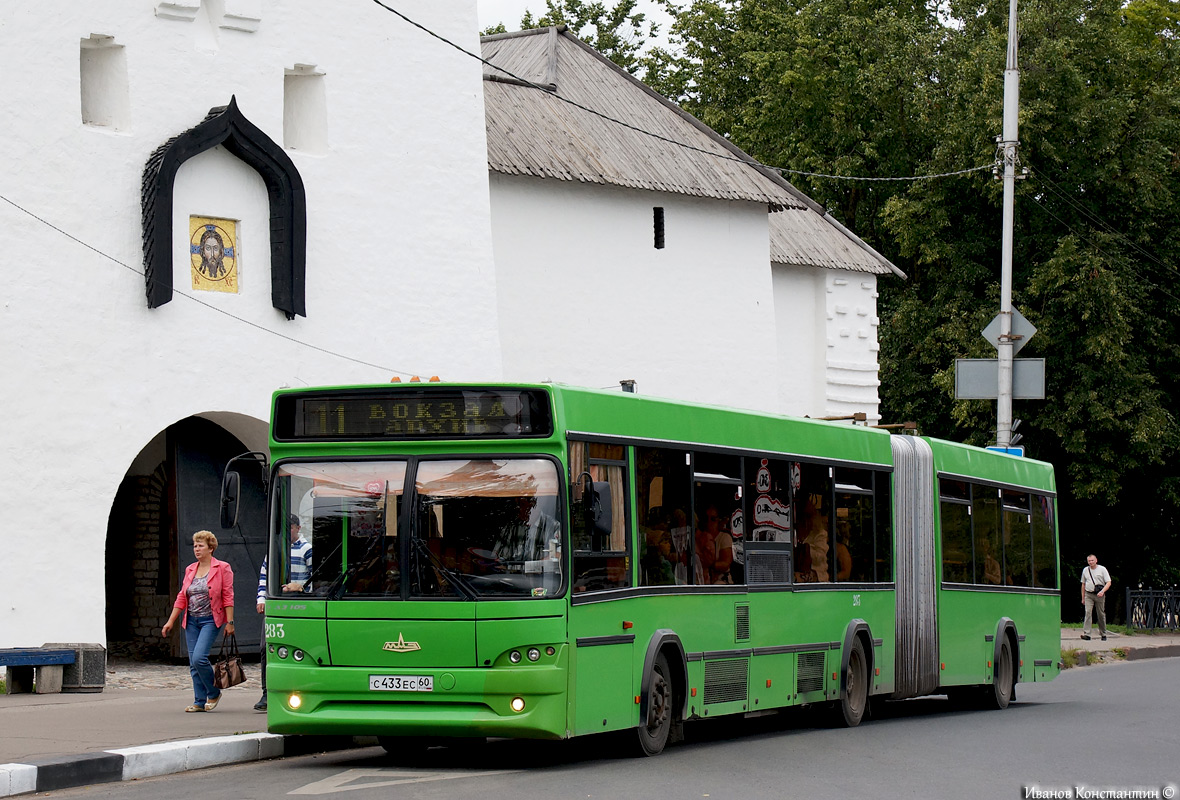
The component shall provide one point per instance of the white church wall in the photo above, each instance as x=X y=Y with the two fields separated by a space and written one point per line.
x=827 y=341
x=586 y=298
x=800 y=302
x=399 y=262
x=852 y=347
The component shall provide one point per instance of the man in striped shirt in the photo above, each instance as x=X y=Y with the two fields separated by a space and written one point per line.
x=300 y=571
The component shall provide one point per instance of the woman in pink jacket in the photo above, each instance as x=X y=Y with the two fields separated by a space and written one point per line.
x=207 y=594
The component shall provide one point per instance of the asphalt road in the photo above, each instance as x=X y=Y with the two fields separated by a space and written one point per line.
x=1114 y=727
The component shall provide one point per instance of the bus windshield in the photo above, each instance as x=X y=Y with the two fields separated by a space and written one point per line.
x=478 y=528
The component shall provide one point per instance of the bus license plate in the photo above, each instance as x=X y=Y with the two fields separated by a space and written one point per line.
x=401 y=683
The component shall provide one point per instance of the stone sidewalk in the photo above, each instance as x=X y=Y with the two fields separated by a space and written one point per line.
x=1121 y=647
x=135 y=728
x=142 y=703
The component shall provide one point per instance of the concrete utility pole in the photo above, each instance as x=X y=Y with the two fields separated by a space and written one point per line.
x=1008 y=146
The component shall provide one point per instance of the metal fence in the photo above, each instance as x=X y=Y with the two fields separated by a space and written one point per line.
x=1153 y=609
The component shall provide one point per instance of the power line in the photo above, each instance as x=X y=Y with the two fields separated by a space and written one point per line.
x=199 y=301
x=1099 y=221
x=659 y=137
x=1090 y=242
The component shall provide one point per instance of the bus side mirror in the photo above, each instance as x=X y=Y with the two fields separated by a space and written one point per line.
x=231 y=489
x=601 y=516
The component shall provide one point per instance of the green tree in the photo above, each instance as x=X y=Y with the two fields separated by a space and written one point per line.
x=869 y=88
x=832 y=86
x=617 y=31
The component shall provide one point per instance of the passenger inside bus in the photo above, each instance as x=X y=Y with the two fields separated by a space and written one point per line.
x=843 y=556
x=714 y=548
x=656 y=561
x=991 y=565
x=813 y=545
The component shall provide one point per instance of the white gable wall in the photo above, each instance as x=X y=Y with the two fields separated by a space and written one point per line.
x=800 y=301
x=827 y=341
x=399 y=262
x=586 y=298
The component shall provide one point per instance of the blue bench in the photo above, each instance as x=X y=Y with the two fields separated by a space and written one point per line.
x=34 y=665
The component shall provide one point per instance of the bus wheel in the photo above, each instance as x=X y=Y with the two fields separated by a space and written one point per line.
x=1004 y=678
x=855 y=698
x=653 y=732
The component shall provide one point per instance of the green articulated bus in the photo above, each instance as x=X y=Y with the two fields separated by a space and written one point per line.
x=543 y=561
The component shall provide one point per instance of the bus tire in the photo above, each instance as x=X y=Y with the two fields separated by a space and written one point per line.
x=652 y=732
x=854 y=700
x=1003 y=678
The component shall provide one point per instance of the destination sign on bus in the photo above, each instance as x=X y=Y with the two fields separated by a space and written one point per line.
x=415 y=414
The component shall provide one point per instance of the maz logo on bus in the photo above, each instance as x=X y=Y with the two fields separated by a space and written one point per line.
x=401 y=645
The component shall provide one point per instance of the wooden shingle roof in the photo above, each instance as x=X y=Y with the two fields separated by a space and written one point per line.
x=811 y=238
x=538 y=125
x=535 y=132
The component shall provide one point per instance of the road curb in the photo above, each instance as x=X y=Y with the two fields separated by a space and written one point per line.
x=164 y=758
x=1167 y=651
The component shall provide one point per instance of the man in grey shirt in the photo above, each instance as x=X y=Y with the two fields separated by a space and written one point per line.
x=1095 y=584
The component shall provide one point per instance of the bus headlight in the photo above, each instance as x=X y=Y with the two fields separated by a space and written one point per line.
x=282 y=651
x=297 y=655
x=294 y=701
x=514 y=657
x=517 y=704
x=534 y=654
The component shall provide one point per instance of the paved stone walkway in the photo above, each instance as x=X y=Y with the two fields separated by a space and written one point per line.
x=126 y=674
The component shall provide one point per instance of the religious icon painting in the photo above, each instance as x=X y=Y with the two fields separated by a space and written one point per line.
x=213 y=246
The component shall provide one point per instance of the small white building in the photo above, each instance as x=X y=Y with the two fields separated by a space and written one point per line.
x=634 y=242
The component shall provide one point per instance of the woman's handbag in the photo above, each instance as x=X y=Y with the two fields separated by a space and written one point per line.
x=227 y=669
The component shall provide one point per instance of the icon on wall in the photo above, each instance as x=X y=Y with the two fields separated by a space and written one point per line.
x=213 y=246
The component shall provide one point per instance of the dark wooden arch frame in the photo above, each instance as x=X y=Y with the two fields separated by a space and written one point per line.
x=226 y=125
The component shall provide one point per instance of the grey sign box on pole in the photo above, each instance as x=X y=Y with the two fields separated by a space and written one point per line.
x=978 y=378
x=1022 y=331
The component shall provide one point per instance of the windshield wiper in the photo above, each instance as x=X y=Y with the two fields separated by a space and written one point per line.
x=455 y=579
x=336 y=590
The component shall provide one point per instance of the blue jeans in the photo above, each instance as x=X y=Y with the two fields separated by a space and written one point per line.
x=199 y=634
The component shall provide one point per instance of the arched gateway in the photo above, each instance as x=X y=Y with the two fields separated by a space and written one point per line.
x=169 y=491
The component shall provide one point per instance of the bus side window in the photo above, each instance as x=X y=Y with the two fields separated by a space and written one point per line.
x=985 y=515
x=813 y=535
x=1017 y=539
x=854 y=525
x=663 y=482
x=883 y=526
x=600 y=560
x=955 y=515
x=1043 y=542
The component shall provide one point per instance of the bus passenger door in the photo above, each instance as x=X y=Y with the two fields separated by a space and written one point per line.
x=604 y=697
x=603 y=657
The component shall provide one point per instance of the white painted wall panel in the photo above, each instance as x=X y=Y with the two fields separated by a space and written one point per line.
x=800 y=308
x=586 y=298
x=399 y=270
x=851 y=380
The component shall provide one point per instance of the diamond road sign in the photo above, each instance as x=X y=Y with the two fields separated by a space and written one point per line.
x=1022 y=331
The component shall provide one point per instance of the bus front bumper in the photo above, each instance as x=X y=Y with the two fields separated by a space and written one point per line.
x=463 y=702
